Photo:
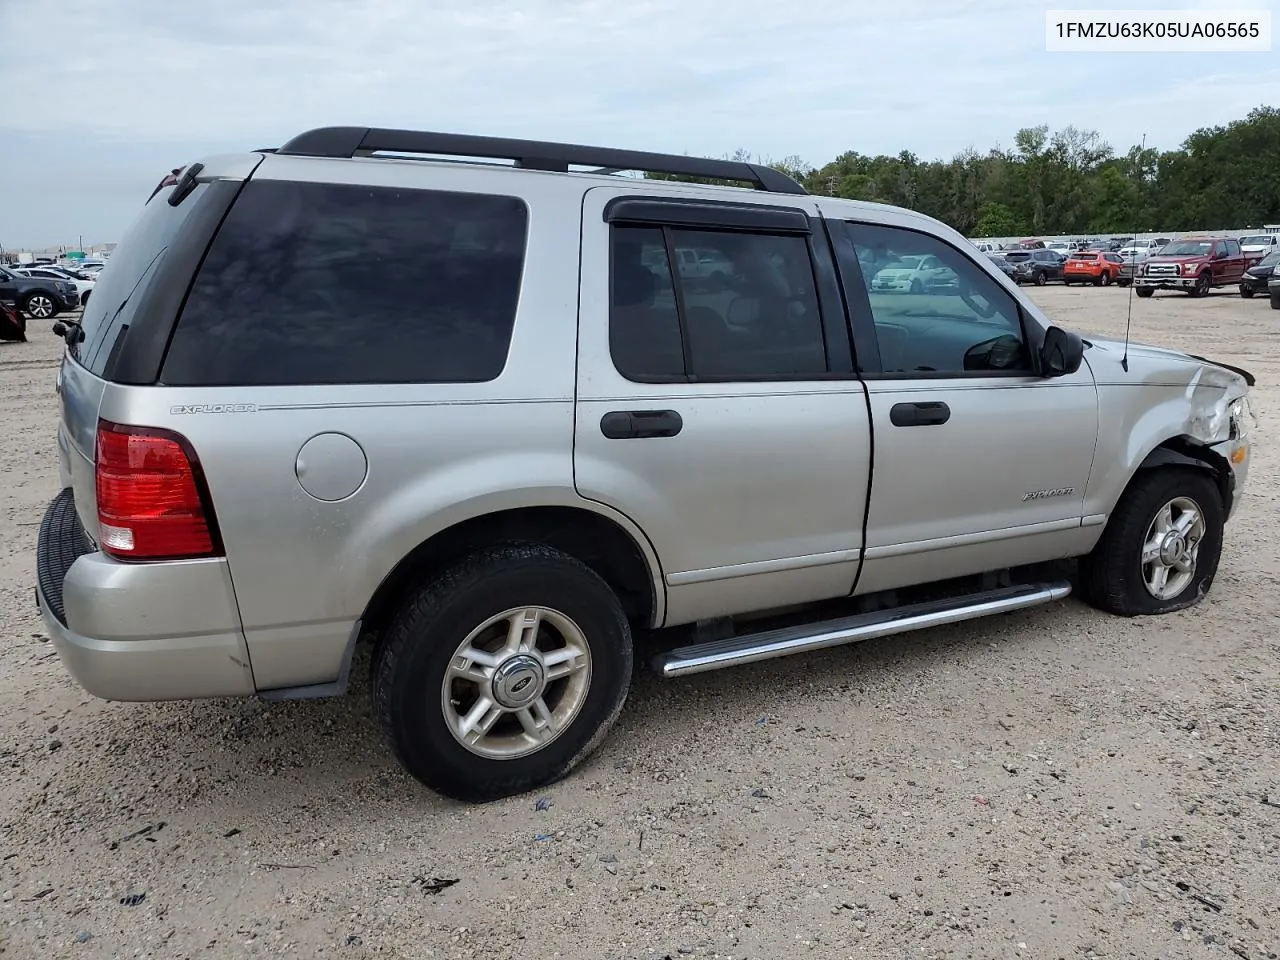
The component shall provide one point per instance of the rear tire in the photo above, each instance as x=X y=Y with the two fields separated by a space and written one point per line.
x=1106 y=278
x=1120 y=576
x=553 y=623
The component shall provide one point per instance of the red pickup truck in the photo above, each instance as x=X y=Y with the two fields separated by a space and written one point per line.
x=1194 y=264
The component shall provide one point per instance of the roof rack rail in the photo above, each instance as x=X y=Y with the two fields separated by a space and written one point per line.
x=529 y=154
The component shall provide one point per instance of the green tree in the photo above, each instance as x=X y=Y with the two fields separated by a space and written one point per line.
x=997 y=220
x=1069 y=181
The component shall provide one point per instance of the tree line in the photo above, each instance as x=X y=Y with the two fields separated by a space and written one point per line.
x=1070 y=182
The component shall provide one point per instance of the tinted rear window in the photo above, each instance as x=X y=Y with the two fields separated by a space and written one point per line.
x=133 y=263
x=331 y=283
x=1084 y=256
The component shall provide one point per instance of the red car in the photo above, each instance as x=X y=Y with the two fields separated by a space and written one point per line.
x=1099 y=267
x=13 y=325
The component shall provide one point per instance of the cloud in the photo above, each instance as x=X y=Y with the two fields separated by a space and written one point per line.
x=153 y=83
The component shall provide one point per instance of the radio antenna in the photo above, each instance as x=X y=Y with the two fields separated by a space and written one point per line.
x=1133 y=277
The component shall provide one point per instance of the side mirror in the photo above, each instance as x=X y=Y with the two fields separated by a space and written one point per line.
x=1061 y=353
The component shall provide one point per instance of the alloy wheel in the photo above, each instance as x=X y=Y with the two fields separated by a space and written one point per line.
x=516 y=682
x=1171 y=548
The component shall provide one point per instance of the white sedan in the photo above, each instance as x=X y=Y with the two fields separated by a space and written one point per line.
x=914 y=275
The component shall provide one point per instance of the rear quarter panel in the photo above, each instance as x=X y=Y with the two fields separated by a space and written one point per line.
x=435 y=454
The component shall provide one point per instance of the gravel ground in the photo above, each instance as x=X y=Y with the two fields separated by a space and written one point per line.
x=1054 y=783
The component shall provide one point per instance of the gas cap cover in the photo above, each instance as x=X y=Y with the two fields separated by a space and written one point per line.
x=331 y=466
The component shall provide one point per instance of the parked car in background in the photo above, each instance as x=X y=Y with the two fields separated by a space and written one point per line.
x=1060 y=246
x=1002 y=262
x=910 y=274
x=1256 y=277
x=37 y=297
x=1143 y=247
x=1195 y=265
x=986 y=246
x=83 y=286
x=13 y=325
x=1099 y=267
x=1262 y=243
x=92 y=267
x=1129 y=268
x=1037 y=266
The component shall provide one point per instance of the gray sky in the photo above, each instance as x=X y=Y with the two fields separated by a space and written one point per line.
x=99 y=98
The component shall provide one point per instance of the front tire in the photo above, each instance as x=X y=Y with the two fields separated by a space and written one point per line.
x=39 y=306
x=503 y=673
x=1246 y=292
x=1201 y=289
x=1160 y=549
x=1144 y=292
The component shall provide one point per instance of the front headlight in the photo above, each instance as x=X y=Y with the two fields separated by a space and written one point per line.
x=1190 y=267
x=1242 y=417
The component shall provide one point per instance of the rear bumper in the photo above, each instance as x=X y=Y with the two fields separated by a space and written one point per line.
x=144 y=631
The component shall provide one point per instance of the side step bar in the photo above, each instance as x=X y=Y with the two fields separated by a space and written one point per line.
x=752 y=647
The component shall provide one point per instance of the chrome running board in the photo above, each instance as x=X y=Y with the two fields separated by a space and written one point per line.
x=751 y=647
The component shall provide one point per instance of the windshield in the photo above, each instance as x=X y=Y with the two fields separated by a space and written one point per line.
x=1259 y=241
x=1270 y=260
x=1188 y=248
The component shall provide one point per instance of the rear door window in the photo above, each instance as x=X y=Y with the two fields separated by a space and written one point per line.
x=317 y=283
x=749 y=313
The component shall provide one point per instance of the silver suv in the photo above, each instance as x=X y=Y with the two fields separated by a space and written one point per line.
x=480 y=415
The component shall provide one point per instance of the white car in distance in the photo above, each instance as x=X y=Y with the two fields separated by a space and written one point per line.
x=83 y=287
x=1262 y=243
x=914 y=275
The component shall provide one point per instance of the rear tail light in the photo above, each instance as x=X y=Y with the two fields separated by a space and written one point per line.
x=153 y=502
